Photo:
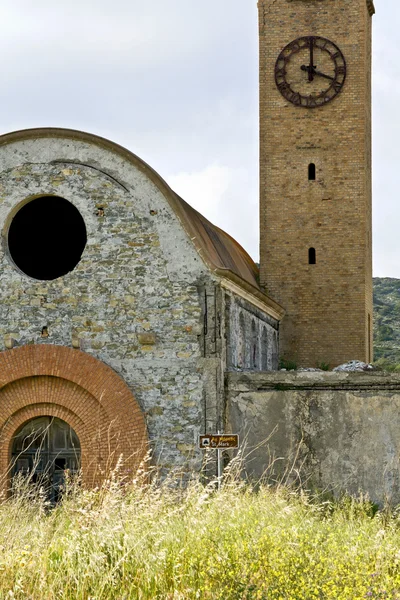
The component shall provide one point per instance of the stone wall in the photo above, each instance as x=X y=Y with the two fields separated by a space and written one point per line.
x=141 y=299
x=134 y=301
x=252 y=336
x=329 y=431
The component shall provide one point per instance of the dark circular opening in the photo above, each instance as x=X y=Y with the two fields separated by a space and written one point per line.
x=47 y=237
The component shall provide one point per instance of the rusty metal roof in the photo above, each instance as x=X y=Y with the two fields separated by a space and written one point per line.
x=218 y=247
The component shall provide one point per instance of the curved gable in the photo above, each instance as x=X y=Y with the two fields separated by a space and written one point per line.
x=218 y=249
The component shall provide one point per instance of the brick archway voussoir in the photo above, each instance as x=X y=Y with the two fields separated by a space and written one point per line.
x=79 y=389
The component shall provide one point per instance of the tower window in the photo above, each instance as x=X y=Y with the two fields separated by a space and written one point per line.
x=311 y=172
x=312 y=259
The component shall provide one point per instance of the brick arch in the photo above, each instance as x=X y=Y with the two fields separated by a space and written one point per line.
x=40 y=380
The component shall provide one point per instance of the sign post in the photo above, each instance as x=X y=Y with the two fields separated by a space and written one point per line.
x=219 y=442
x=220 y=467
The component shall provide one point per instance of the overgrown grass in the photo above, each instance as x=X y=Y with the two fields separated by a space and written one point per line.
x=147 y=540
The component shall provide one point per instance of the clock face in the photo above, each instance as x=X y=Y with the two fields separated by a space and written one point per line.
x=310 y=71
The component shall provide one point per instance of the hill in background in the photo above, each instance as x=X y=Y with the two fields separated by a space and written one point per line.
x=387 y=322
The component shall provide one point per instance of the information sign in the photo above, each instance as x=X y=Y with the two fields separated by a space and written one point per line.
x=220 y=441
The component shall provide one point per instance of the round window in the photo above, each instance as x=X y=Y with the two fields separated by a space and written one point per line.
x=47 y=237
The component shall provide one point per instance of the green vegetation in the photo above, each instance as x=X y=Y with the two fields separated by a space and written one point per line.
x=387 y=323
x=323 y=366
x=151 y=541
x=289 y=365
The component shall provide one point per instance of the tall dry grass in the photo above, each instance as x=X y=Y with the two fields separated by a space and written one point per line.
x=157 y=540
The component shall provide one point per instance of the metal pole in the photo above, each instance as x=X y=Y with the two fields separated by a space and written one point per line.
x=219 y=466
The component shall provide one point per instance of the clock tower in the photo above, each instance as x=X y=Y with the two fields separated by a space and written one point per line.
x=315 y=175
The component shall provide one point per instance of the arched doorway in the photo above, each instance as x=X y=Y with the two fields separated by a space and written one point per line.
x=43 y=449
x=44 y=380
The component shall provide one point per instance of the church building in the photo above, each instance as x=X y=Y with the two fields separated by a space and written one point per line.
x=123 y=308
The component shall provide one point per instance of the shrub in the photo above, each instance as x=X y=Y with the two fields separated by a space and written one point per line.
x=289 y=365
x=323 y=366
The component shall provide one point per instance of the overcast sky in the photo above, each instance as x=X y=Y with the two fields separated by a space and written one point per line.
x=176 y=82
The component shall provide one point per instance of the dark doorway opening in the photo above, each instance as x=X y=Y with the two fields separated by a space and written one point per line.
x=47 y=237
x=43 y=450
x=312 y=257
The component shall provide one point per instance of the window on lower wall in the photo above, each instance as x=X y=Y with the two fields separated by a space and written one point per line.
x=254 y=347
x=241 y=345
x=312 y=257
x=264 y=350
x=43 y=449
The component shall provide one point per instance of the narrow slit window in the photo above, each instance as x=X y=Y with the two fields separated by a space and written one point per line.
x=311 y=172
x=312 y=259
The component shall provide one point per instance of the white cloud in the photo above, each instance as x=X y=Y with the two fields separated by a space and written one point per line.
x=127 y=35
x=176 y=82
x=205 y=189
x=226 y=197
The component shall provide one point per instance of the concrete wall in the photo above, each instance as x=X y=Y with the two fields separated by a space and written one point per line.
x=330 y=431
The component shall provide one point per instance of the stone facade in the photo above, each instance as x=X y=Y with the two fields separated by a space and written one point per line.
x=143 y=301
x=328 y=304
x=330 y=432
x=252 y=337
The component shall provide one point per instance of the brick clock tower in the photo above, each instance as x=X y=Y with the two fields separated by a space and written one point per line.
x=315 y=175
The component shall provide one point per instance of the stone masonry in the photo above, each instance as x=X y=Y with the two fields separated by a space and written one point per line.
x=142 y=301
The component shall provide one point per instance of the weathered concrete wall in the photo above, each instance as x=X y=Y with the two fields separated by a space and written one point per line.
x=331 y=431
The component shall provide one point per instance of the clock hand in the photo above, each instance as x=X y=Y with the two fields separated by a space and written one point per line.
x=323 y=75
x=311 y=68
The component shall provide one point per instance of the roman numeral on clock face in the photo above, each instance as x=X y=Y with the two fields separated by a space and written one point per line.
x=311 y=101
x=280 y=72
x=283 y=87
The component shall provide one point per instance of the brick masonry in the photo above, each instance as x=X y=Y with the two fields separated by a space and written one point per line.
x=328 y=305
x=48 y=380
